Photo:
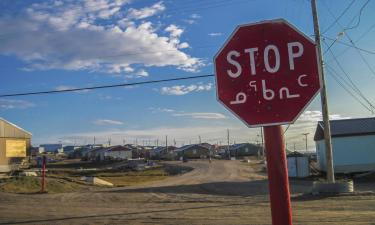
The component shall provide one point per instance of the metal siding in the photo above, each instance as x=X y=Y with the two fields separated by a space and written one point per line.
x=350 y=154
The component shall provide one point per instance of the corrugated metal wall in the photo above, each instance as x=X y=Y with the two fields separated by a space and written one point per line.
x=8 y=130
x=11 y=132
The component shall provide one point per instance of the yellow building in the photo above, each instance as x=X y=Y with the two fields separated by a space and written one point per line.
x=15 y=145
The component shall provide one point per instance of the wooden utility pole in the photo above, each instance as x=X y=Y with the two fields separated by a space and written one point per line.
x=228 y=143
x=306 y=139
x=166 y=143
x=324 y=101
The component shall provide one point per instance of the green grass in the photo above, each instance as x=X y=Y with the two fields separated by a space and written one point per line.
x=28 y=185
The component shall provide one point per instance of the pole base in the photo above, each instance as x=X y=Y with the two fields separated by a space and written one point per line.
x=340 y=186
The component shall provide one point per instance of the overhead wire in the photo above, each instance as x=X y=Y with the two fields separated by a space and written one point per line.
x=335 y=77
x=339 y=17
x=350 y=83
x=103 y=86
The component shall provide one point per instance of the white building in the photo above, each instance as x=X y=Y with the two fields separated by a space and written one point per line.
x=353 y=144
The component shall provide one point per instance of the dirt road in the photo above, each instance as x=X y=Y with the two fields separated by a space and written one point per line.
x=223 y=192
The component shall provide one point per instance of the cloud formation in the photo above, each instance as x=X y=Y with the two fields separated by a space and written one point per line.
x=94 y=35
x=184 y=89
x=15 y=104
x=201 y=115
x=107 y=122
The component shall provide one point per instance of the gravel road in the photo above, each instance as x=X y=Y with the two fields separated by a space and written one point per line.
x=221 y=192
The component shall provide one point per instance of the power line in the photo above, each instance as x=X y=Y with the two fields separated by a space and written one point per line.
x=350 y=45
x=344 y=28
x=339 y=17
x=104 y=86
x=359 y=17
x=348 y=91
x=352 y=84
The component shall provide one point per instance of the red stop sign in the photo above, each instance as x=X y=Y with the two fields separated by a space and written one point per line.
x=267 y=73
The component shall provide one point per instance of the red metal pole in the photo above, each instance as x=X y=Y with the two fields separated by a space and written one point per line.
x=43 y=173
x=278 y=176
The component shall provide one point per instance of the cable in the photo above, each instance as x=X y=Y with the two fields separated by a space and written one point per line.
x=350 y=45
x=344 y=29
x=359 y=17
x=350 y=93
x=352 y=84
x=339 y=17
x=105 y=86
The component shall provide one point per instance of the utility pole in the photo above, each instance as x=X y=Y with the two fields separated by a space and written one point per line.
x=94 y=140
x=109 y=141
x=200 y=140
x=166 y=143
x=157 y=142
x=261 y=135
x=306 y=138
x=323 y=96
x=228 y=143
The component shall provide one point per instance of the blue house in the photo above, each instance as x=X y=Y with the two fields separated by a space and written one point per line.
x=353 y=144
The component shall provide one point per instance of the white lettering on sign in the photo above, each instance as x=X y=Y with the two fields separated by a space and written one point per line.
x=295 y=50
x=234 y=63
x=287 y=94
x=252 y=59
x=299 y=79
x=266 y=58
x=268 y=94
x=292 y=55
x=253 y=85
x=240 y=98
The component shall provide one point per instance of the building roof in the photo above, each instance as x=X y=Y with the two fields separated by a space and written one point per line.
x=14 y=125
x=347 y=127
x=118 y=148
x=186 y=147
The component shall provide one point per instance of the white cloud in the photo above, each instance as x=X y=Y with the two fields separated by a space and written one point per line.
x=146 y=11
x=203 y=115
x=142 y=73
x=215 y=34
x=192 y=18
x=107 y=122
x=315 y=116
x=66 y=87
x=91 y=35
x=183 y=89
x=167 y=110
x=15 y=104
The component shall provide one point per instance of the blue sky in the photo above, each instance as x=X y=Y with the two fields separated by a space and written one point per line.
x=54 y=45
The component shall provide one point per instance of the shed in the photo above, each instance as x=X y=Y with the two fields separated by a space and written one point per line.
x=15 y=144
x=353 y=145
x=298 y=165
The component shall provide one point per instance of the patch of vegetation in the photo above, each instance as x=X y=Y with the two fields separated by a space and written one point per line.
x=27 y=185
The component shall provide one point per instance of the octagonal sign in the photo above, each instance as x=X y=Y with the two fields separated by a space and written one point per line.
x=267 y=73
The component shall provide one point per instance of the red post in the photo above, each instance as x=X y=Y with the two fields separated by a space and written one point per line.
x=43 y=174
x=278 y=176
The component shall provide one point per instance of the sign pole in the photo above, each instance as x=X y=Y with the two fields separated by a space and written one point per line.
x=277 y=175
x=44 y=174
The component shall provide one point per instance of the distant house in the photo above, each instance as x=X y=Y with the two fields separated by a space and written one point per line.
x=52 y=148
x=163 y=152
x=244 y=149
x=194 y=151
x=118 y=153
x=353 y=144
